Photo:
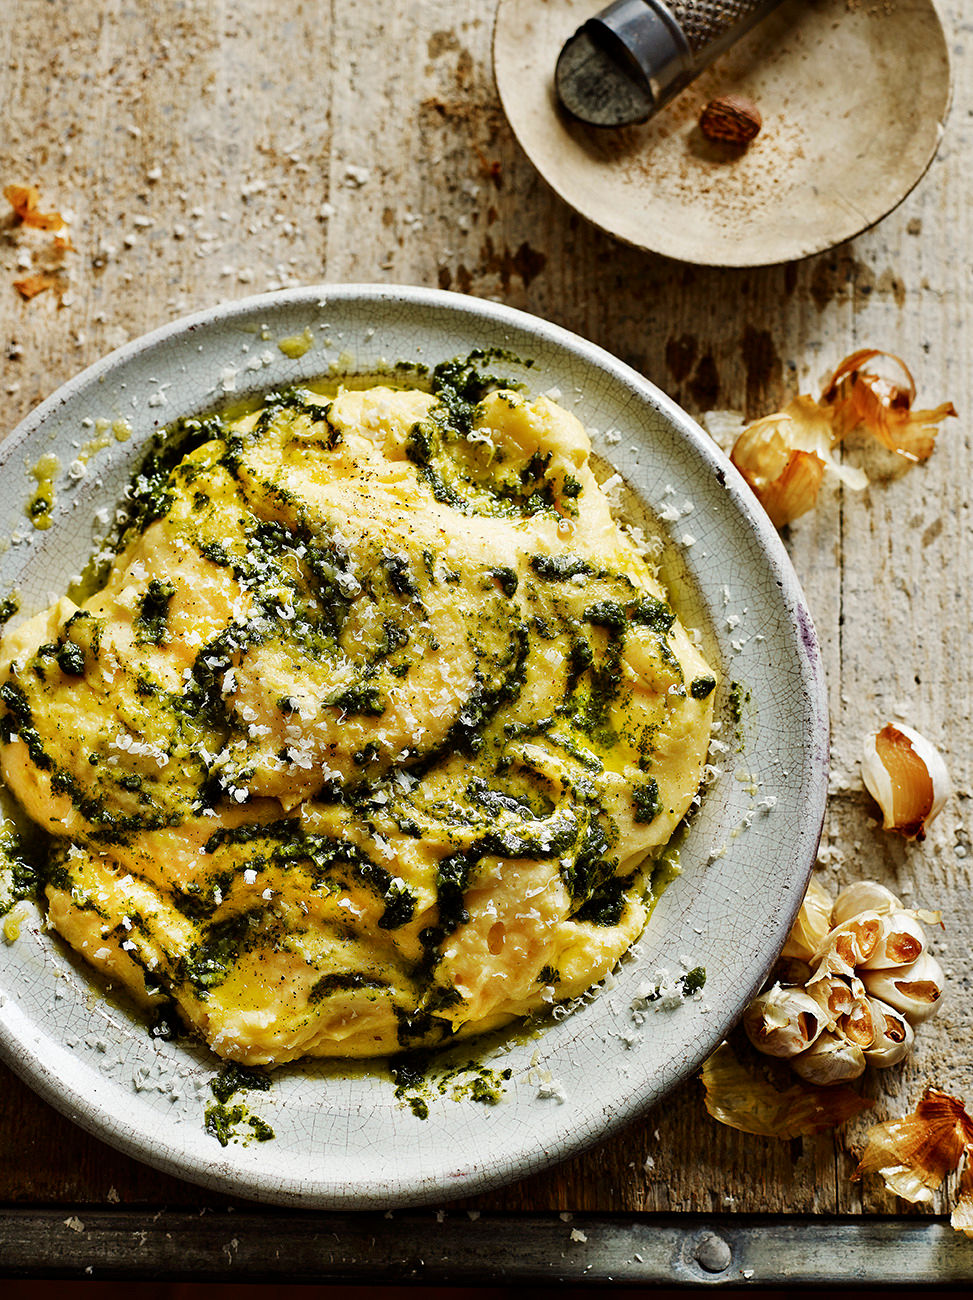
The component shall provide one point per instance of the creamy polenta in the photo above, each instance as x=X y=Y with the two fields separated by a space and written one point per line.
x=369 y=736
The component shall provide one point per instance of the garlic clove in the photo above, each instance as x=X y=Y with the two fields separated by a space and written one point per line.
x=863 y=896
x=900 y=943
x=782 y=1022
x=831 y=1059
x=858 y=1024
x=832 y=995
x=811 y=924
x=784 y=457
x=893 y=1036
x=906 y=776
x=849 y=945
x=844 y=1007
x=915 y=990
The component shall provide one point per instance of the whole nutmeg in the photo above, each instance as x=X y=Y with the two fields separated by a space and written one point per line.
x=730 y=119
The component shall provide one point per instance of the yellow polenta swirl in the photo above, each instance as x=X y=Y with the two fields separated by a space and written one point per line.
x=366 y=738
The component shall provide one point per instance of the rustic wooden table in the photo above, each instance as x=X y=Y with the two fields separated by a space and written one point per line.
x=208 y=150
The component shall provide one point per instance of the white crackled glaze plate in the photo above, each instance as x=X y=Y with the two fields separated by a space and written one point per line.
x=343 y=1140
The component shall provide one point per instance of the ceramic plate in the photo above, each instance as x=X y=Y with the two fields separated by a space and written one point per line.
x=342 y=1137
x=853 y=96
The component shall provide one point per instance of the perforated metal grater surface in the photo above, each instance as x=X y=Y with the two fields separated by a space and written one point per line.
x=705 y=21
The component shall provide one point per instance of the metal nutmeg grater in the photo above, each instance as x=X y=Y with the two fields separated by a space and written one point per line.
x=632 y=58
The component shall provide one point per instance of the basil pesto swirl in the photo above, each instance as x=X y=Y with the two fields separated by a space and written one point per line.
x=373 y=731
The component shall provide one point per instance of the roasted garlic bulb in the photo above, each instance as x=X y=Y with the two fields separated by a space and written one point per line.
x=854 y=980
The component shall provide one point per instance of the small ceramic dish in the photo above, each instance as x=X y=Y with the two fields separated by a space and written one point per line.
x=853 y=98
x=343 y=1137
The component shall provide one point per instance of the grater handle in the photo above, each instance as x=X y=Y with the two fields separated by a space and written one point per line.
x=630 y=59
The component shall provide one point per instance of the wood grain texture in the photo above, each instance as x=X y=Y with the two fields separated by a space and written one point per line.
x=208 y=150
x=242 y=1248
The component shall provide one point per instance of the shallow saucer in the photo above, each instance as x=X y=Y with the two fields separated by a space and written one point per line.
x=853 y=97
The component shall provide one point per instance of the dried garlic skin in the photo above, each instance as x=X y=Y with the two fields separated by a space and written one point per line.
x=901 y=941
x=745 y=1099
x=863 y=896
x=874 y=391
x=907 y=777
x=915 y=990
x=811 y=924
x=782 y=1021
x=831 y=1059
x=893 y=1036
x=914 y=1154
x=962 y=1216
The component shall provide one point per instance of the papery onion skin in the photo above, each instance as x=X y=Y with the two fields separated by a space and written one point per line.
x=869 y=387
x=915 y=990
x=24 y=200
x=743 y=1099
x=874 y=390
